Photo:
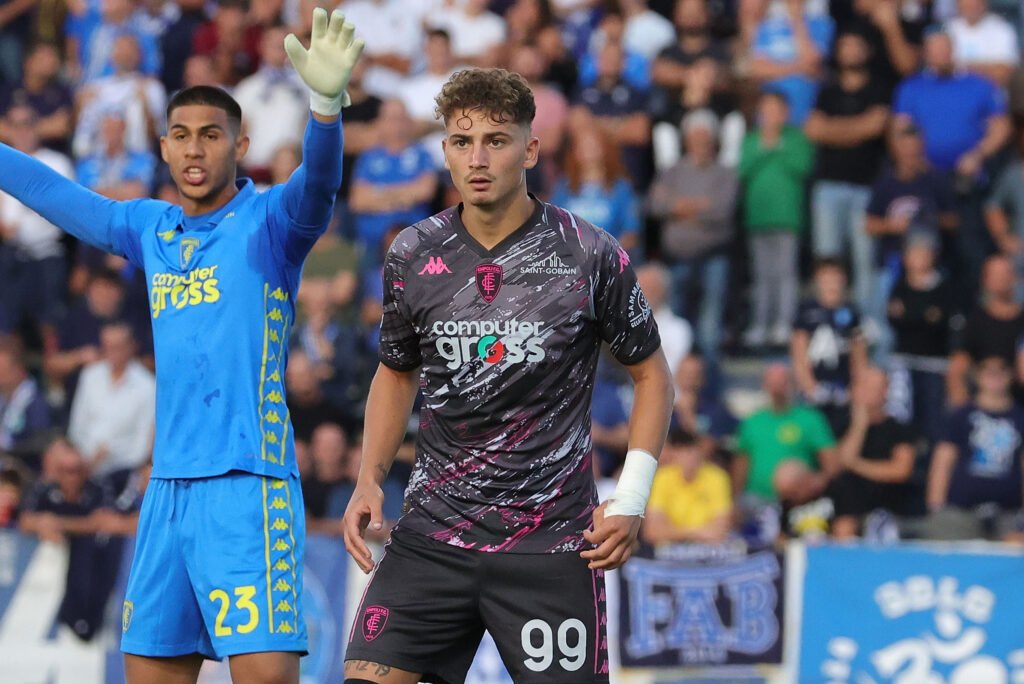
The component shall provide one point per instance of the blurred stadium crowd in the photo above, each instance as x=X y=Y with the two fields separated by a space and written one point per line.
x=831 y=188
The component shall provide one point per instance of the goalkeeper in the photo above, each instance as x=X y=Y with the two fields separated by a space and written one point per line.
x=218 y=563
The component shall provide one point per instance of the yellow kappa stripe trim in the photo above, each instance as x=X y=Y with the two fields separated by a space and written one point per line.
x=266 y=554
x=291 y=537
x=263 y=377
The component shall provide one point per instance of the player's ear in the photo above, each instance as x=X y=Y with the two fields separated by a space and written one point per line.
x=241 y=146
x=444 y=151
x=532 y=152
x=163 y=149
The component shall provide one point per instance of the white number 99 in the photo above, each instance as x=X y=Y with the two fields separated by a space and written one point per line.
x=574 y=655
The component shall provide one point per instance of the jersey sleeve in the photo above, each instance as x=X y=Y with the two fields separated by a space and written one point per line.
x=623 y=315
x=104 y=223
x=399 y=341
x=299 y=211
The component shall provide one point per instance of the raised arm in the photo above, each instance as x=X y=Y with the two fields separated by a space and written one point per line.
x=307 y=199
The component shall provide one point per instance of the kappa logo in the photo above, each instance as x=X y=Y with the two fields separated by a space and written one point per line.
x=126 y=615
x=435 y=266
x=488 y=280
x=553 y=265
x=375 y=618
x=186 y=250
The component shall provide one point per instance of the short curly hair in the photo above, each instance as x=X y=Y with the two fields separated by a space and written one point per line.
x=503 y=94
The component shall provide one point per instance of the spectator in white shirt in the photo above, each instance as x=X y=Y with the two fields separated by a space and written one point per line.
x=419 y=91
x=274 y=105
x=32 y=265
x=477 y=35
x=676 y=332
x=983 y=42
x=393 y=37
x=646 y=32
x=142 y=99
x=113 y=412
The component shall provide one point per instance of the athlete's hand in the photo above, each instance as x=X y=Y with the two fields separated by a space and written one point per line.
x=365 y=508
x=333 y=52
x=614 y=536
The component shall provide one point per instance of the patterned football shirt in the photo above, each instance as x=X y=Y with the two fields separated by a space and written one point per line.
x=507 y=342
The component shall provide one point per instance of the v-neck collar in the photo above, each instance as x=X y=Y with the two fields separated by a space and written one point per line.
x=508 y=240
x=212 y=219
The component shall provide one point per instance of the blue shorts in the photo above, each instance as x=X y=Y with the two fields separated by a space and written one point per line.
x=217 y=568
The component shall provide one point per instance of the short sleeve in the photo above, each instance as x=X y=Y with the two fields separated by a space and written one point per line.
x=721 y=494
x=995 y=100
x=623 y=315
x=803 y=318
x=952 y=428
x=399 y=341
x=819 y=434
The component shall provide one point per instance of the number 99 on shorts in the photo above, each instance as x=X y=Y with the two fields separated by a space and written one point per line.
x=540 y=639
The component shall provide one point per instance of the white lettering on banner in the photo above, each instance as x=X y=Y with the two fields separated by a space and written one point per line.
x=956 y=641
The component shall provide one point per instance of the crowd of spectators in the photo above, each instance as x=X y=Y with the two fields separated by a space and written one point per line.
x=832 y=187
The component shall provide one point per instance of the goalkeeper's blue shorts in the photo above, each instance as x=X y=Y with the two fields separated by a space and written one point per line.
x=217 y=568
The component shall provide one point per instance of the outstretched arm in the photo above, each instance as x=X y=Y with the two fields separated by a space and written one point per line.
x=92 y=218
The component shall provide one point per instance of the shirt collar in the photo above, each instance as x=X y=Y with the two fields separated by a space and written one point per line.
x=210 y=220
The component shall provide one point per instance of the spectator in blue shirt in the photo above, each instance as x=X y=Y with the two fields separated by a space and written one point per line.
x=963 y=118
x=636 y=69
x=92 y=36
x=619 y=108
x=392 y=182
x=790 y=44
x=115 y=171
x=595 y=187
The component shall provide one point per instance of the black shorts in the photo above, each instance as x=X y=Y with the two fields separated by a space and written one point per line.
x=428 y=604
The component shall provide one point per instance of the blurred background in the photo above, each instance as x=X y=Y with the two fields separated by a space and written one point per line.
x=824 y=200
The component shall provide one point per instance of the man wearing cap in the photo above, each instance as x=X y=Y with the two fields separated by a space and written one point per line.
x=694 y=200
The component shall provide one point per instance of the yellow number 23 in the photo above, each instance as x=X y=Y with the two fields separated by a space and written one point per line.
x=243 y=600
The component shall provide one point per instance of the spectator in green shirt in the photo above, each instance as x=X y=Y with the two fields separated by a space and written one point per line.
x=785 y=452
x=775 y=160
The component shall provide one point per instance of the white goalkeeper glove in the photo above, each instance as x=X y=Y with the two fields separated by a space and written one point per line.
x=326 y=66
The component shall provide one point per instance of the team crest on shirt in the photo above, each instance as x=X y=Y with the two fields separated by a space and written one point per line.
x=186 y=249
x=639 y=308
x=126 y=615
x=374 y=620
x=488 y=280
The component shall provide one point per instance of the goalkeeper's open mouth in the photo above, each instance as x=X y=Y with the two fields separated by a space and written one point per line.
x=194 y=175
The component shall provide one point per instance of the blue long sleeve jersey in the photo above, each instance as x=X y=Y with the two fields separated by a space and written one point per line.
x=222 y=292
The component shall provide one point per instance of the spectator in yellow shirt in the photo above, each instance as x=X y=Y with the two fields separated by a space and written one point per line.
x=691 y=499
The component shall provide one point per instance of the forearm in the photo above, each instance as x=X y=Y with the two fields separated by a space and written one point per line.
x=956 y=380
x=56 y=125
x=309 y=193
x=888 y=471
x=388 y=406
x=902 y=54
x=652 y=404
x=762 y=69
x=938 y=477
x=996 y=134
x=801 y=364
x=850 y=445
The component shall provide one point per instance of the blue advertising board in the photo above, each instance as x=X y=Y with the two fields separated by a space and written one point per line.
x=912 y=615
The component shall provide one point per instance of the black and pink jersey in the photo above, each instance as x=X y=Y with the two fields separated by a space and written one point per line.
x=508 y=341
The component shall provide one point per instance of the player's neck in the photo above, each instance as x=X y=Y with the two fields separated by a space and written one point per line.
x=490 y=225
x=207 y=205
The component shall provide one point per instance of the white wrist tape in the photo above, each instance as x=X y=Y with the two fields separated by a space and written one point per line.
x=325 y=106
x=630 y=496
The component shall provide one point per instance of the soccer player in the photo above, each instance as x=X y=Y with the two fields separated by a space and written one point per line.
x=218 y=563
x=497 y=309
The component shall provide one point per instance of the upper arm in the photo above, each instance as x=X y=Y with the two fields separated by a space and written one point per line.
x=623 y=315
x=903 y=457
x=399 y=342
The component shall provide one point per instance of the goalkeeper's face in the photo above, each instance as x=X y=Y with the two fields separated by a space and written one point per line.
x=488 y=160
x=202 y=148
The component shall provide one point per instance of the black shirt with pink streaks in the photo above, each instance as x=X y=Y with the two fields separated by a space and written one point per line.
x=507 y=342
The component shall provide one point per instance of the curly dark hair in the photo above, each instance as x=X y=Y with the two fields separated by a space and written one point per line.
x=504 y=95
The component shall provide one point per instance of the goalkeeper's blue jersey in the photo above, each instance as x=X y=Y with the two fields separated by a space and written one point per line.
x=222 y=290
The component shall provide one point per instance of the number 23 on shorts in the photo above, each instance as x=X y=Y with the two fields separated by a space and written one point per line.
x=573 y=655
x=243 y=601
